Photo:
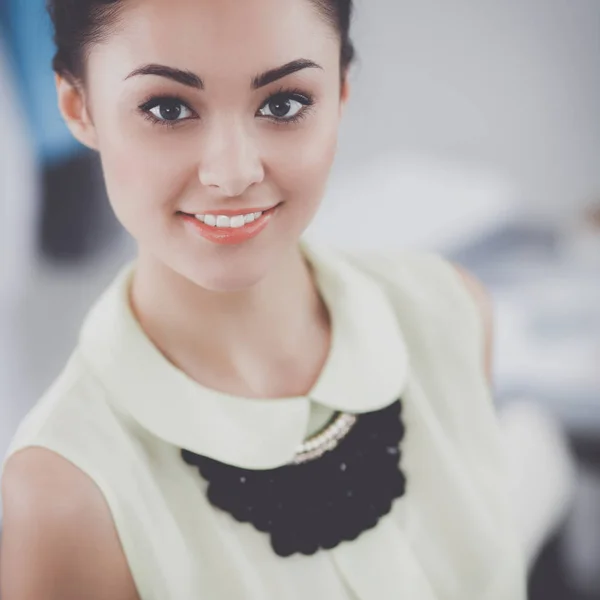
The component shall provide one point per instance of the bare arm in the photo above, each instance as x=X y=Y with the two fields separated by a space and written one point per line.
x=59 y=541
x=483 y=301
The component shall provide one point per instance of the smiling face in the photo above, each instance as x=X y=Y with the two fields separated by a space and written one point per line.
x=200 y=107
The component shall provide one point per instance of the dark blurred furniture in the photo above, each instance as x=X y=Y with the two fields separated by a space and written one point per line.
x=549 y=578
x=76 y=218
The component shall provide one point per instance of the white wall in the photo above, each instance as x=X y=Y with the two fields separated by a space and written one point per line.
x=18 y=203
x=510 y=84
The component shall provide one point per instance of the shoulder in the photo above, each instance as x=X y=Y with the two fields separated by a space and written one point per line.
x=72 y=416
x=58 y=534
x=428 y=275
x=484 y=307
x=436 y=293
x=477 y=291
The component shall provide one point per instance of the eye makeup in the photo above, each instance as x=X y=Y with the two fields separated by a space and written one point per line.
x=172 y=107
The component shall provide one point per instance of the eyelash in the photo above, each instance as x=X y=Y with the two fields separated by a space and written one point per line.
x=303 y=98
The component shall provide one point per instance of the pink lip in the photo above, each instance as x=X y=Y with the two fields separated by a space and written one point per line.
x=229 y=235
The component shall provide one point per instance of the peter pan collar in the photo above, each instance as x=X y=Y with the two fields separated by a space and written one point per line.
x=366 y=370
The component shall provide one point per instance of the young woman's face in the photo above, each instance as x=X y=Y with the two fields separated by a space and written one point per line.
x=187 y=123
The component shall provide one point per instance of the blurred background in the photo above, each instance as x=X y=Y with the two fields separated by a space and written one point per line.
x=474 y=131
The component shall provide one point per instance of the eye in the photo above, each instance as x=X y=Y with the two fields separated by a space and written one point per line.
x=167 y=110
x=171 y=110
x=285 y=106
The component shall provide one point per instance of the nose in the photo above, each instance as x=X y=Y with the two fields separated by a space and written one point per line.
x=230 y=160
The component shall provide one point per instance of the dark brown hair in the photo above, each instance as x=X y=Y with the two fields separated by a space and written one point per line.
x=78 y=24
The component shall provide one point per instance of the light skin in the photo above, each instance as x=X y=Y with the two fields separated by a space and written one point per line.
x=241 y=317
x=245 y=318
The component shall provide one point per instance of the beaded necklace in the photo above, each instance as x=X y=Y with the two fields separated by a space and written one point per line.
x=341 y=481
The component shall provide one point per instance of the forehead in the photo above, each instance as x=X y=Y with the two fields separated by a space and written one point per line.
x=219 y=37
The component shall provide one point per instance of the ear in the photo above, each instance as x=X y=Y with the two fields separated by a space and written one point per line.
x=344 y=93
x=73 y=107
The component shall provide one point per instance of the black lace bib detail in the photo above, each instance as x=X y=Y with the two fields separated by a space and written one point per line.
x=320 y=503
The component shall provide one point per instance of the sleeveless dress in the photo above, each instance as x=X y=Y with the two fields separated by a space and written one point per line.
x=403 y=326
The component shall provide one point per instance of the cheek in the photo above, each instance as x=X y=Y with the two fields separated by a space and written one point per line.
x=302 y=162
x=145 y=172
x=148 y=169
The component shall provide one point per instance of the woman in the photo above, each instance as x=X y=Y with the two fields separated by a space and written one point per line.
x=247 y=415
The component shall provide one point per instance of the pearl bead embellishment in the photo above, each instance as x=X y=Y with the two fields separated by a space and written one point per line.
x=325 y=440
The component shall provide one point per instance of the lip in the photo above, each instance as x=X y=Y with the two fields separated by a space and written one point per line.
x=231 y=235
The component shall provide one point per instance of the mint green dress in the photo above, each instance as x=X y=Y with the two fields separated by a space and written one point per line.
x=403 y=325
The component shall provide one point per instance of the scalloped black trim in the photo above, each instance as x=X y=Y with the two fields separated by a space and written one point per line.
x=320 y=503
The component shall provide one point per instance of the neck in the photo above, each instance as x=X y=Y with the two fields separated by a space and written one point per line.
x=242 y=338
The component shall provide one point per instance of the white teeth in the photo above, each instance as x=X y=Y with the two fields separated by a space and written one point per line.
x=224 y=221
x=237 y=221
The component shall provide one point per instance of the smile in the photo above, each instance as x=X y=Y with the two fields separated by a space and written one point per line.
x=232 y=228
x=226 y=221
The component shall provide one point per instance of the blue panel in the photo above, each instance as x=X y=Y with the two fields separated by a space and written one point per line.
x=29 y=33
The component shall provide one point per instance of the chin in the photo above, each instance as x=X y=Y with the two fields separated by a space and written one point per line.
x=226 y=277
x=230 y=268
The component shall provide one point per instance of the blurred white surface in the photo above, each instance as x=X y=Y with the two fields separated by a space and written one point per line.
x=413 y=201
x=511 y=83
x=547 y=339
x=19 y=195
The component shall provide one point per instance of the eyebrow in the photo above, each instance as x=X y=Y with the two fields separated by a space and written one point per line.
x=185 y=77
x=278 y=72
x=190 y=79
